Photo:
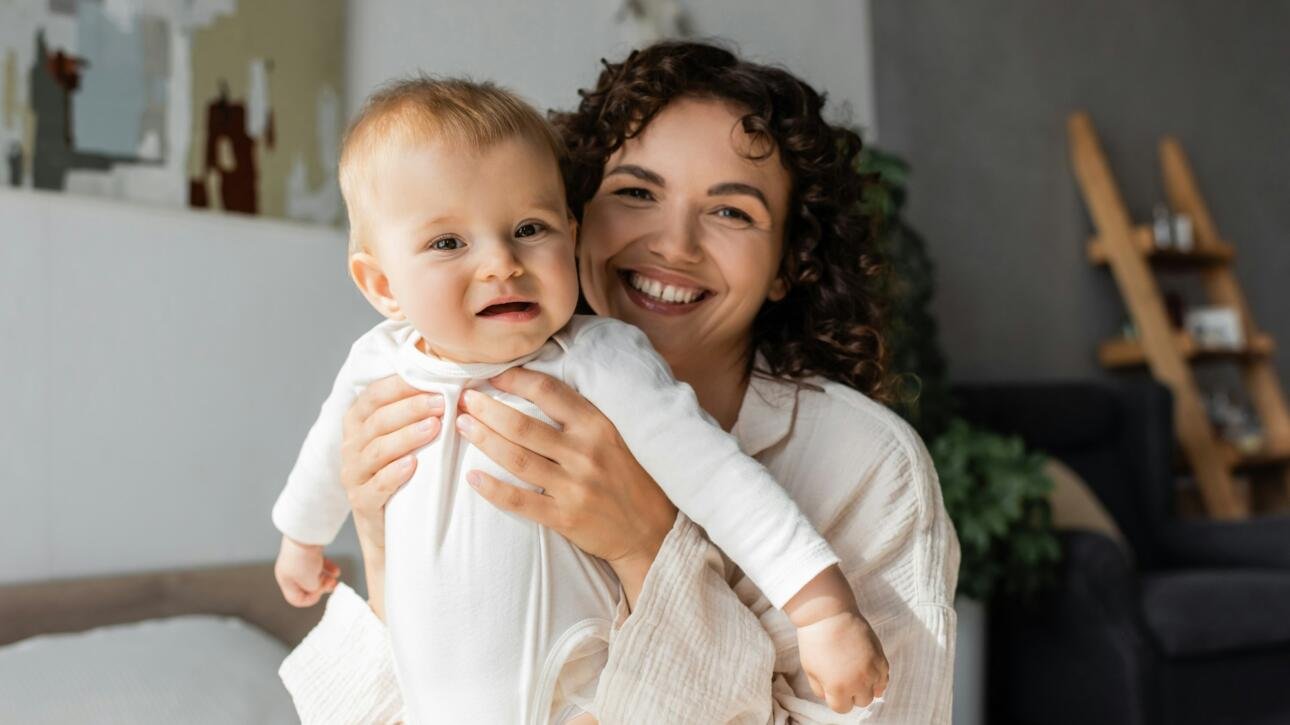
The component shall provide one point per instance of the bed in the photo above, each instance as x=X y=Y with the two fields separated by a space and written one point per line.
x=193 y=646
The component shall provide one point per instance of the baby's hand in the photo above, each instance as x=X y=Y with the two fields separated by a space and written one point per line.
x=303 y=574
x=843 y=660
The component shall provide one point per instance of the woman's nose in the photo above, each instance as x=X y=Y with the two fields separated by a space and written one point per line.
x=678 y=242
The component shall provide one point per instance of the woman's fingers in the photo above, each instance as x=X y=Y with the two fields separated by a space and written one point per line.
x=389 y=449
x=523 y=463
x=370 y=498
x=519 y=428
x=403 y=413
x=375 y=396
x=531 y=505
x=559 y=401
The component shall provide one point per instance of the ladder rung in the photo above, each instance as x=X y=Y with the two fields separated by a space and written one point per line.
x=1144 y=241
x=1125 y=352
x=1268 y=456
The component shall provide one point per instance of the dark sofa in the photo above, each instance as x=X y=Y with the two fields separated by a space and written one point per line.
x=1191 y=626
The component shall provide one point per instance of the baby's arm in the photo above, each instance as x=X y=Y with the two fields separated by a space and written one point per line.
x=742 y=508
x=313 y=506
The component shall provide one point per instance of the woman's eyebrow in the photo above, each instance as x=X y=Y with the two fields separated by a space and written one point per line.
x=728 y=188
x=638 y=172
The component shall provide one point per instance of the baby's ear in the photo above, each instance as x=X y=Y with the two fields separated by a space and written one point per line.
x=365 y=270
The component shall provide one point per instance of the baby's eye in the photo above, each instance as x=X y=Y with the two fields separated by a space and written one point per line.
x=732 y=213
x=529 y=229
x=635 y=192
x=447 y=244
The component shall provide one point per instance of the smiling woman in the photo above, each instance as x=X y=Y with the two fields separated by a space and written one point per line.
x=719 y=214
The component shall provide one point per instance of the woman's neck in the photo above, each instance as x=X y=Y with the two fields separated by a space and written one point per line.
x=719 y=381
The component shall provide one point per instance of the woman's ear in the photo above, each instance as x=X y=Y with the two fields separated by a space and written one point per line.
x=778 y=289
x=367 y=274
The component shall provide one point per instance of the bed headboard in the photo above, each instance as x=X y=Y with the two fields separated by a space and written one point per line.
x=247 y=591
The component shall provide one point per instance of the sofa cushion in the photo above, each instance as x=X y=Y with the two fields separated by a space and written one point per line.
x=1211 y=611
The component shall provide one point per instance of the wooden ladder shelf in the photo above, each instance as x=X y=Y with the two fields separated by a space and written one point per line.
x=1131 y=253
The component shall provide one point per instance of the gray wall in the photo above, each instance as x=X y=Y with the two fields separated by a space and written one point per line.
x=975 y=95
x=547 y=51
x=158 y=371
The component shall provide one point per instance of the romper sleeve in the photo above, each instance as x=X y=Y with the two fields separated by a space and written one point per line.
x=700 y=466
x=312 y=506
x=343 y=671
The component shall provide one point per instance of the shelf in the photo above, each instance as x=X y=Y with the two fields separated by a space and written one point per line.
x=1124 y=352
x=1271 y=456
x=1144 y=241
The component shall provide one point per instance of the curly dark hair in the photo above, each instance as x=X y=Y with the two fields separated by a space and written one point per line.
x=830 y=322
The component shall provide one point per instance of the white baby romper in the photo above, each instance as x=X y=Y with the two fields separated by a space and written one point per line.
x=485 y=608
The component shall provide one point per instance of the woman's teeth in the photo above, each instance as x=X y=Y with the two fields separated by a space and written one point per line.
x=664 y=292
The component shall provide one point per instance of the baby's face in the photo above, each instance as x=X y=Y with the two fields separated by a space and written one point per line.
x=478 y=247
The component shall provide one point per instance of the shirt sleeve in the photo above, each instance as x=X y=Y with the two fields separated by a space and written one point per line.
x=688 y=648
x=738 y=503
x=691 y=651
x=901 y=556
x=312 y=506
x=343 y=671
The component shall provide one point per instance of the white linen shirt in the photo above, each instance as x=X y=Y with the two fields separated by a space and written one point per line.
x=702 y=644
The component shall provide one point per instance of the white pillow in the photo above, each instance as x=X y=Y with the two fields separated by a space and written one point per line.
x=195 y=669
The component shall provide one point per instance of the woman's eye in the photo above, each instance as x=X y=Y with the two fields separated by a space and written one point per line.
x=447 y=244
x=732 y=213
x=529 y=229
x=635 y=192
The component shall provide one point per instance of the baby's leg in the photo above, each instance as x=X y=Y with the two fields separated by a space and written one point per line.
x=585 y=718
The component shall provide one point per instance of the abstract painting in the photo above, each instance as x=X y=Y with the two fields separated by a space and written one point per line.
x=232 y=105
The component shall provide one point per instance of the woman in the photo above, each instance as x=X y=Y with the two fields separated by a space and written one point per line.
x=697 y=177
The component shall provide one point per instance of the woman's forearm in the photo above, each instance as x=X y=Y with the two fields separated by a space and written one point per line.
x=373 y=567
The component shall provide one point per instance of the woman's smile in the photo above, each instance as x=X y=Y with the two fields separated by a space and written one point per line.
x=662 y=292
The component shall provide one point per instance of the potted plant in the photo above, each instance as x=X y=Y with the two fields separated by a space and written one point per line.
x=995 y=490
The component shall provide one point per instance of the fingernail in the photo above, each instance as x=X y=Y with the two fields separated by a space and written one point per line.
x=469 y=396
x=428 y=425
x=434 y=403
x=465 y=423
x=405 y=461
x=472 y=478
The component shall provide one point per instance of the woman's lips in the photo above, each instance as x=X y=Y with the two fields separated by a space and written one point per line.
x=652 y=302
x=511 y=311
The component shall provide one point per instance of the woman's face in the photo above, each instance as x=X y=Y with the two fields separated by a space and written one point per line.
x=684 y=236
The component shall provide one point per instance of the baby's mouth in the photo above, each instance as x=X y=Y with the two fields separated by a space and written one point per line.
x=518 y=311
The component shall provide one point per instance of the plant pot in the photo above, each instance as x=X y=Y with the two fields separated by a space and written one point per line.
x=969 y=662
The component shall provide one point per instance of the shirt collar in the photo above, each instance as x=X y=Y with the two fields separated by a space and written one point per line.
x=766 y=414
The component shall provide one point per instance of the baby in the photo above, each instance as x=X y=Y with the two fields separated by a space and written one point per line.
x=462 y=240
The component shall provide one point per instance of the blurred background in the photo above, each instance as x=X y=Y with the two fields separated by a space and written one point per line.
x=174 y=302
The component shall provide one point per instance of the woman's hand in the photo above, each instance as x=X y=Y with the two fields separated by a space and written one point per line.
x=595 y=493
x=387 y=422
